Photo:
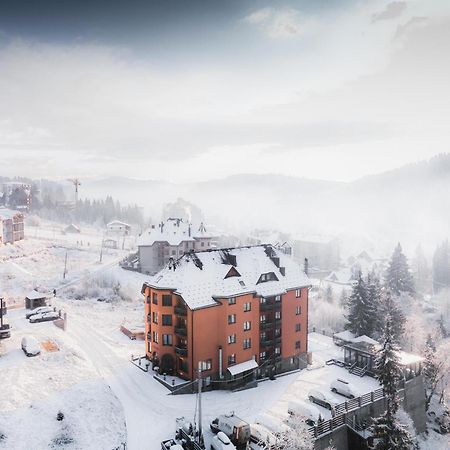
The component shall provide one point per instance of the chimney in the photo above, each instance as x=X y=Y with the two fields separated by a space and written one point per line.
x=189 y=230
x=306 y=266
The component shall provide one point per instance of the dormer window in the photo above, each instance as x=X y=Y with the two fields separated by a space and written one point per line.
x=232 y=273
x=270 y=276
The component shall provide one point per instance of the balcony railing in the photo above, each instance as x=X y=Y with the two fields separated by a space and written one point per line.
x=149 y=336
x=180 y=310
x=181 y=351
x=266 y=342
x=269 y=323
x=266 y=306
x=182 y=331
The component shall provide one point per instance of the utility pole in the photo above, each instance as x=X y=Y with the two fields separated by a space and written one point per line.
x=101 y=248
x=200 y=436
x=65 y=267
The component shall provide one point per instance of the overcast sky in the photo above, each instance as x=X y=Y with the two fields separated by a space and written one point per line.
x=192 y=90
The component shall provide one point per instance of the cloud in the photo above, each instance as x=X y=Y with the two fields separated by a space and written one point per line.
x=280 y=23
x=411 y=24
x=392 y=11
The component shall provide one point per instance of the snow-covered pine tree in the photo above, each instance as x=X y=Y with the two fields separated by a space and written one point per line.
x=398 y=276
x=343 y=299
x=297 y=437
x=441 y=267
x=374 y=292
x=387 y=431
x=432 y=369
x=421 y=271
x=360 y=310
x=390 y=308
x=329 y=294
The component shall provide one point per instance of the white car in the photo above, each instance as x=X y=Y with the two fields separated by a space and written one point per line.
x=310 y=413
x=221 y=442
x=322 y=399
x=30 y=346
x=343 y=387
x=40 y=310
x=44 y=317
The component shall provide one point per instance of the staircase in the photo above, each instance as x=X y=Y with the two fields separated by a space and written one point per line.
x=359 y=371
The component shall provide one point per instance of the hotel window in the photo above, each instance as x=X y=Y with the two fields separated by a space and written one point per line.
x=232 y=301
x=247 y=306
x=155 y=317
x=232 y=339
x=262 y=355
x=262 y=318
x=155 y=337
x=148 y=300
x=247 y=325
x=262 y=300
x=202 y=244
x=167 y=300
x=167 y=339
x=167 y=319
x=277 y=332
x=231 y=359
x=298 y=327
x=298 y=310
x=277 y=350
x=155 y=299
x=206 y=365
x=174 y=252
x=298 y=293
x=278 y=298
x=231 y=319
x=277 y=315
x=247 y=343
x=297 y=344
x=262 y=336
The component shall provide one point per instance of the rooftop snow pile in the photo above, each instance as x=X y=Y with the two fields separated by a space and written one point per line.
x=202 y=277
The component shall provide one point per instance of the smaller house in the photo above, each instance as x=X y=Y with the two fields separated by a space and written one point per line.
x=72 y=229
x=35 y=299
x=110 y=243
x=344 y=337
x=342 y=277
x=118 y=227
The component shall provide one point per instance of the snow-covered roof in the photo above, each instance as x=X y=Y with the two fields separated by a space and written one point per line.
x=8 y=213
x=346 y=335
x=118 y=222
x=201 y=277
x=174 y=232
x=35 y=295
x=341 y=276
x=365 y=339
x=243 y=367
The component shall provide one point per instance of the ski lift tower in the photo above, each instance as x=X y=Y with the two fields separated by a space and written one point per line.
x=76 y=182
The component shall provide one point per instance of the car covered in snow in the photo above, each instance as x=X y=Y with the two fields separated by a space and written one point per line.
x=322 y=399
x=40 y=310
x=310 y=413
x=343 y=387
x=30 y=346
x=44 y=317
x=222 y=442
x=262 y=436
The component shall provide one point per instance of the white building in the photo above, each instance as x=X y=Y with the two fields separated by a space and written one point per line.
x=170 y=239
x=118 y=228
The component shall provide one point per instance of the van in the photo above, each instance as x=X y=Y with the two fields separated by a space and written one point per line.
x=30 y=346
x=309 y=412
x=343 y=387
x=234 y=427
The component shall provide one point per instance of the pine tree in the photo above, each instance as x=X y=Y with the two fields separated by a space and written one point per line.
x=361 y=313
x=387 y=431
x=391 y=309
x=432 y=369
x=398 y=276
x=374 y=291
x=343 y=299
x=421 y=270
x=441 y=267
x=329 y=294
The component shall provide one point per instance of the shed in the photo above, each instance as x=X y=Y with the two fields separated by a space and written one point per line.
x=34 y=299
x=72 y=229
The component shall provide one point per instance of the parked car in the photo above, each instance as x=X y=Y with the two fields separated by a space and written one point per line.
x=343 y=387
x=262 y=436
x=40 y=310
x=321 y=399
x=170 y=444
x=309 y=412
x=30 y=346
x=44 y=317
x=221 y=442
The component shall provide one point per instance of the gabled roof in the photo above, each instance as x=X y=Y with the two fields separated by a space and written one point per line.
x=200 y=278
x=118 y=222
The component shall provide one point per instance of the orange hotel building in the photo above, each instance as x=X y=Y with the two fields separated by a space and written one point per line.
x=241 y=312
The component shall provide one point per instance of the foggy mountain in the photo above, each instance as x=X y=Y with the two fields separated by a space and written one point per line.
x=409 y=203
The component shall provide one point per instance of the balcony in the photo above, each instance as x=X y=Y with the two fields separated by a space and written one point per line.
x=149 y=318
x=180 y=310
x=266 y=342
x=181 y=351
x=149 y=336
x=181 y=331
x=266 y=306
x=277 y=340
x=267 y=324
